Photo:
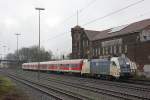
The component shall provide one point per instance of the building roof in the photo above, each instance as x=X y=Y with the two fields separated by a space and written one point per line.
x=116 y=31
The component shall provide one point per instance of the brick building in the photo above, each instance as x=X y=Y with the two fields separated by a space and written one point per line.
x=133 y=40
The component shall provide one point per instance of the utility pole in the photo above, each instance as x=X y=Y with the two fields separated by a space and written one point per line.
x=38 y=74
x=4 y=51
x=0 y=55
x=77 y=17
x=17 y=34
x=0 y=51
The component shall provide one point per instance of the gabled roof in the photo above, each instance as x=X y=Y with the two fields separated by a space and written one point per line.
x=116 y=31
x=90 y=33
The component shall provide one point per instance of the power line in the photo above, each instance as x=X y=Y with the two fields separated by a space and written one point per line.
x=61 y=34
x=89 y=4
x=61 y=42
x=58 y=35
x=71 y=16
x=114 y=12
x=64 y=42
x=136 y=17
x=80 y=10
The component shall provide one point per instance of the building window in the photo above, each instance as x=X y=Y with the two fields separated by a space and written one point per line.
x=125 y=48
x=93 y=51
x=106 y=50
x=103 y=51
x=96 y=51
x=99 y=50
x=114 y=49
x=110 y=49
x=87 y=42
x=83 y=35
x=120 y=49
x=83 y=44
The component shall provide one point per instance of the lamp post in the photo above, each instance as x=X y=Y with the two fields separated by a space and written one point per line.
x=38 y=74
x=17 y=34
x=4 y=51
x=0 y=51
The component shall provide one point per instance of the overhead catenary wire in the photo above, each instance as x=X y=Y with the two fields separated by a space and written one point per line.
x=136 y=17
x=112 y=13
x=56 y=36
x=68 y=18
x=125 y=20
x=88 y=5
x=79 y=11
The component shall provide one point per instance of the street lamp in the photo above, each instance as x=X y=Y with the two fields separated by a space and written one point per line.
x=17 y=34
x=0 y=51
x=38 y=75
x=4 y=51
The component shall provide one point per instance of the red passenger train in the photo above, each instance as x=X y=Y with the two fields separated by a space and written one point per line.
x=59 y=66
x=115 y=67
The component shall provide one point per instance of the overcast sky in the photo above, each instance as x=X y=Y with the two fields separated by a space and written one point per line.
x=20 y=16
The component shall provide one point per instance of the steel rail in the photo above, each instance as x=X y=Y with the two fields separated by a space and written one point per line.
x=98 y=90
x=32 y=84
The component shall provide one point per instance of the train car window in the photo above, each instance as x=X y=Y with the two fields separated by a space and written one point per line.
x=97 y=64
x=66 y=65
x=57 y=65
x=114 y=64
x=73 y=65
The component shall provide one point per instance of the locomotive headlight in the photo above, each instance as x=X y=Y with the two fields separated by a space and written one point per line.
x=127 y=63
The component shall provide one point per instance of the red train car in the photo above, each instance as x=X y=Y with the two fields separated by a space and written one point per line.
x=74 y=66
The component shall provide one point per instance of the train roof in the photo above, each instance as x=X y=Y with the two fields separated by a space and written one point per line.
x=73 y=61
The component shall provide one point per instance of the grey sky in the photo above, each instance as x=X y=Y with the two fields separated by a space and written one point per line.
x=20 y=16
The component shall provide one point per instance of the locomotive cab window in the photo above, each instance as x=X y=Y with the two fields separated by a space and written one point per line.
x=113 y=63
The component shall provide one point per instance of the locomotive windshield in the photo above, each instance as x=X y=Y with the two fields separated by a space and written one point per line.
x=124 y=64
x=123 y=61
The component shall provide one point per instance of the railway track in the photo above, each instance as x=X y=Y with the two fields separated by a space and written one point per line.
x=122 y=85
x=141 y=82
x=53 y=92
x=96 y=89
x=110 y=83
x=103 y=91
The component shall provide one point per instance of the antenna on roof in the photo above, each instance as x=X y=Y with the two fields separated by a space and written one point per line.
x=77 y=17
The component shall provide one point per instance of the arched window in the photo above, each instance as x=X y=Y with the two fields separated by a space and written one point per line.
x=114 y=49
x=87 y=42
x=99 y=50
x=125 y=48
x=120 y=49
x=83 y=43
x=103 y=51
x=110 y=49
x=106 y=50
x=93 y=51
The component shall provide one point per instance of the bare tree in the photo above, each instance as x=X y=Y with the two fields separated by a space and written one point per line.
x=31 y=54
